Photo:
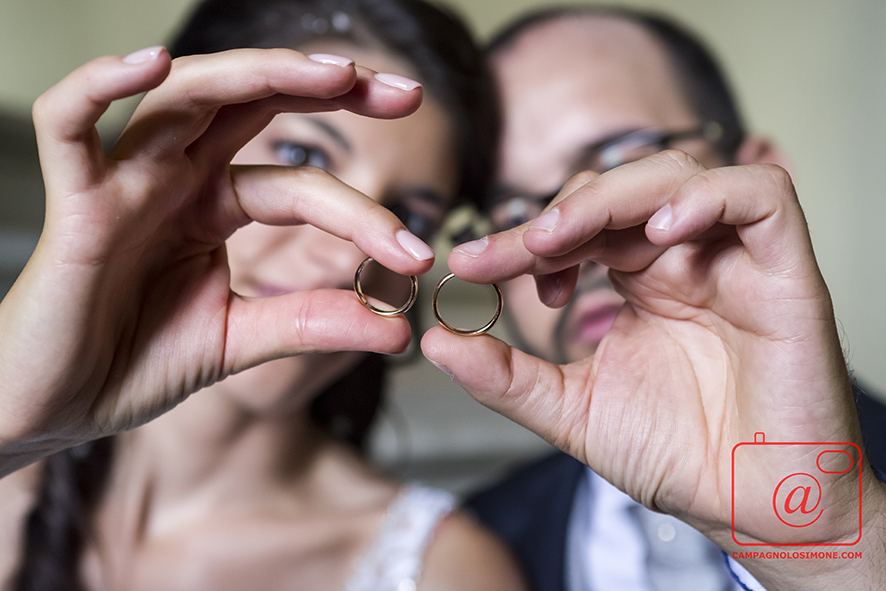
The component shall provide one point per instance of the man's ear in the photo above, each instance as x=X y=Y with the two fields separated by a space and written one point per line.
x=759 y=150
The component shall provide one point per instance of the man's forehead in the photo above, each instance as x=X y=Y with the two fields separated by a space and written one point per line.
x=577 y=33
x=585 y=48
x=569 y=82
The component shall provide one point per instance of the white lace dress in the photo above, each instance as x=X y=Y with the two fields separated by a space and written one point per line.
x=394 y=561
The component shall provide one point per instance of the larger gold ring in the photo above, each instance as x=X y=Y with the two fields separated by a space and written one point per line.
x=465 y=331
x=413 y=293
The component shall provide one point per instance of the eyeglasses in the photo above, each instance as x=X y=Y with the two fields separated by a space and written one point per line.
x=512 y=210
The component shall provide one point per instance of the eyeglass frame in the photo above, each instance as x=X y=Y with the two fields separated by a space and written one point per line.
x=711 y=131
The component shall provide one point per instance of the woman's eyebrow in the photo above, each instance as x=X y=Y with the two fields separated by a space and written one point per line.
x=333 y=133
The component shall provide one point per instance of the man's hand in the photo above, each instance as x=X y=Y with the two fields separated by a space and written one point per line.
x=727 y=330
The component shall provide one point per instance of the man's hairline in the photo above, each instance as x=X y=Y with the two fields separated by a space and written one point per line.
x=510 y=35
x=590 y=12
x=593 y=13
x=549 y=17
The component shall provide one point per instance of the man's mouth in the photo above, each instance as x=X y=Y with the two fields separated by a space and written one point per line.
x=593 y=324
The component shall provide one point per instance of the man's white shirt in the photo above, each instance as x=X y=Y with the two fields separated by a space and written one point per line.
x=605 y=546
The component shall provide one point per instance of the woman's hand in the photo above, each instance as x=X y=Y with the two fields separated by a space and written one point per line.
x=727 y=331
x=125 y=307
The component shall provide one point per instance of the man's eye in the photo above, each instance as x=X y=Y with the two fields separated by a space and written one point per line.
x=292 y=154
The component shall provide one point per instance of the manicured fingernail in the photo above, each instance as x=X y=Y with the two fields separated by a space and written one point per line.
x=143 y=55
x=444 y=369
x=414 y=246
x=397 y=81
x=662 y=218
x=474 y=247
x=547 y=221
x=328 y=58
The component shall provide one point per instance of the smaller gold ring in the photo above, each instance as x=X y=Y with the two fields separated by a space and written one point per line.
x=464 y=331
x=413 y=293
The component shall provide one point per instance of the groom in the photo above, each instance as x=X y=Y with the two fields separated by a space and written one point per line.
x=591 y=89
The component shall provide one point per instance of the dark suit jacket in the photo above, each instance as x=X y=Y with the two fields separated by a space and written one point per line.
x=530 y=509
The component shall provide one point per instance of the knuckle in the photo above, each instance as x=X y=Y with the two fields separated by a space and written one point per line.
x=309 y=181
x=579 y=183
x=184 y=62
x=583 y=178
x=42 y=108
x=79 y=85
x=587 y=191
x=308 y=174
x=781 y=179
x=677 y=159
x=700 y=186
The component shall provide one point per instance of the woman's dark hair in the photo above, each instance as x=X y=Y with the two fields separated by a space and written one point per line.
x=447 y=62
x=58 y=527
x=701 y=78
x=450 y=66
x=432 y=40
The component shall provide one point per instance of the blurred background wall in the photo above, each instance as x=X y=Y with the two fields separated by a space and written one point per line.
x=810 y=73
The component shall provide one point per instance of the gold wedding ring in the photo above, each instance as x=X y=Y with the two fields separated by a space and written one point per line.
x=413 y=293
x=464 y=331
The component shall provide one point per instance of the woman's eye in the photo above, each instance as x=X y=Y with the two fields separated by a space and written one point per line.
x=292 y=154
